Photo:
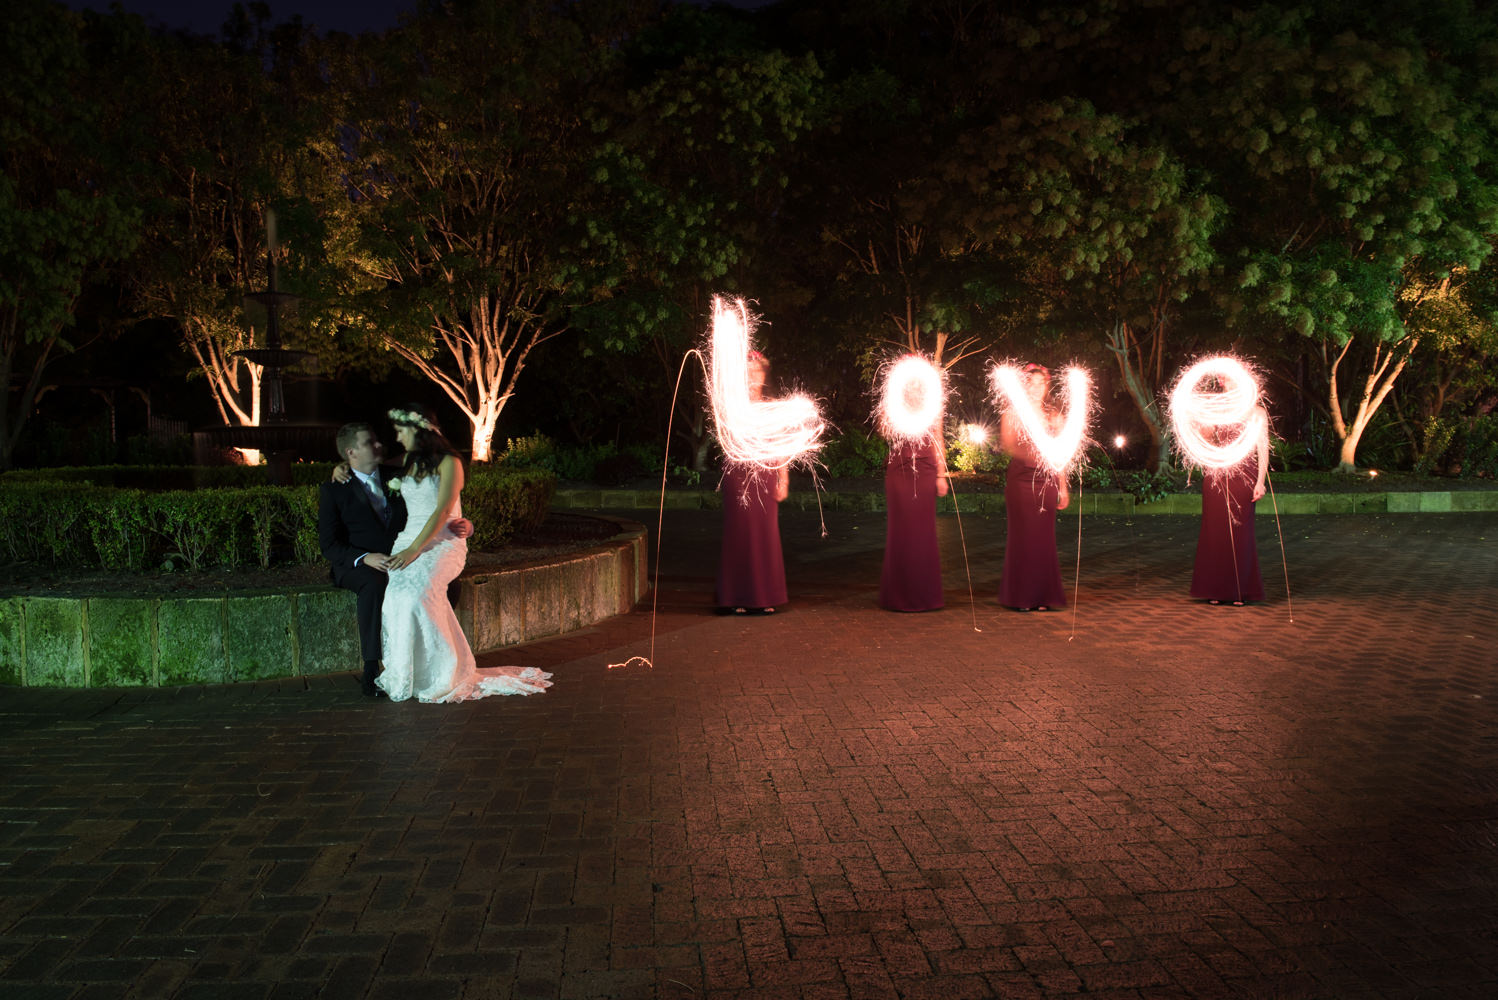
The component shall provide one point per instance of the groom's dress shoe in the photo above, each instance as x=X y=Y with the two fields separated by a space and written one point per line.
x=370 y=691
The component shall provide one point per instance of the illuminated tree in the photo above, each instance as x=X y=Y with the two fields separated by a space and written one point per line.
x=462 y=147
x=1356 y=153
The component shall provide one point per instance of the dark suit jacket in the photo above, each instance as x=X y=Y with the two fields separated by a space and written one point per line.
x=347 y=525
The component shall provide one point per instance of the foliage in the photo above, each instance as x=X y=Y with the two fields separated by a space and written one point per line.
x=1475 y=449
x=1356 y=158
x=63 y=216
x=463 y=150
x=64 y=517
x=217 y=164
x=964 y=455
x=502 y=502
x=169 y=477
x=853 y=454
x=129 y=529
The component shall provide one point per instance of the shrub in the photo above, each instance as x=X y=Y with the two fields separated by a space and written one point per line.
x=65 y=524
x=502 y=501
x=170 y=477
x=853 y=454
x=1475 y=449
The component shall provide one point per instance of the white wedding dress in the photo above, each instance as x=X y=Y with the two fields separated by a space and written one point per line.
x=426 y=653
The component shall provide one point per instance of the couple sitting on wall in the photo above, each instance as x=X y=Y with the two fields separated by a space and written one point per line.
x=395 y=536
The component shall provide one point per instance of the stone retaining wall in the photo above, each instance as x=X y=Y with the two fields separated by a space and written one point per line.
x=160 y=641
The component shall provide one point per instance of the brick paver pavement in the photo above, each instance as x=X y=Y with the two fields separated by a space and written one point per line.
x=1155 y=798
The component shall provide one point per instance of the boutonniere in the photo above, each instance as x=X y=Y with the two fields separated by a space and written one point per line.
x=393 y=485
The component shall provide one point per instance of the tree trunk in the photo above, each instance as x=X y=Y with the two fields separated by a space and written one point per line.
x=1385 y=369
x=10 y=343
x=1144 y=397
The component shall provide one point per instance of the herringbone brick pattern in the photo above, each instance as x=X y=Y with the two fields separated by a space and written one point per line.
x=1147 y=798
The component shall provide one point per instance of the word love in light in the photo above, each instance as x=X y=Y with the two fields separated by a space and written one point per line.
x=768 y=433
x=1196 y=415
x=911 y=399
x=1057 y=451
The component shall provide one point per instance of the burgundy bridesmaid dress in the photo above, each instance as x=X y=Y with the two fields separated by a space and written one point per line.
x=751 y=569
x=1227 y=555
x=1032 y=570
x=911 y=580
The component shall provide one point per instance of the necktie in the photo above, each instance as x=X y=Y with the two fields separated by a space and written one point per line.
x=378 y=498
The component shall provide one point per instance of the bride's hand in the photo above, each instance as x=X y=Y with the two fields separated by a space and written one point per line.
x=403 y=558
x=341 y=473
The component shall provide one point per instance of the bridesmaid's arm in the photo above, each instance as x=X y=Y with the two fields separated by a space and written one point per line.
x=782 y=485
x=449 y=485
x=940 y=454
x=1263 y=458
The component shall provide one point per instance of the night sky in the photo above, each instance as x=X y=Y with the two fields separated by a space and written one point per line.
x=353 y=16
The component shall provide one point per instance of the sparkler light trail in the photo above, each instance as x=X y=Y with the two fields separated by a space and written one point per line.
x=769 y=433
x=1058 y=451
x=1196 y=414
x=911 y=399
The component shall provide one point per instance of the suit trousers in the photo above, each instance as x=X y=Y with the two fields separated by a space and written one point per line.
x=368 y=586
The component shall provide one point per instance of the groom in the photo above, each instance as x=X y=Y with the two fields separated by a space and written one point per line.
x=357 y=523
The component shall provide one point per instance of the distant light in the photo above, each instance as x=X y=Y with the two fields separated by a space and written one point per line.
x=1372 y=473
x=1120 y=441
x=974 y=433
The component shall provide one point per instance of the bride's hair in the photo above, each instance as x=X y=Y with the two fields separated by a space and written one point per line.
x=430 y=447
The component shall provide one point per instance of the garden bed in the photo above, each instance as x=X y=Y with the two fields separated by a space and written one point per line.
x=558 y=535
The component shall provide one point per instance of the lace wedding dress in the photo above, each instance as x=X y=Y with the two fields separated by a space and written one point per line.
x=426 y=653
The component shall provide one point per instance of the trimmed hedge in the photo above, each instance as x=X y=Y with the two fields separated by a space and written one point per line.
x=170 y=477
x=75 y=523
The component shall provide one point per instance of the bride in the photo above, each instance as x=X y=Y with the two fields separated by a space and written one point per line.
x=426 y=653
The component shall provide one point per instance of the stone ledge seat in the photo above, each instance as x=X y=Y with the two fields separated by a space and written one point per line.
x=164 y=641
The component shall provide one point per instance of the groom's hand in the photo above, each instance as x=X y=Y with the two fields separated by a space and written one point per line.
x=377 y=560
x=461 y=528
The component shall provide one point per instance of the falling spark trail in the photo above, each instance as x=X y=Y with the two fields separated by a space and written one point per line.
x=1284 y=564
x=660 y=517
x=972 y=602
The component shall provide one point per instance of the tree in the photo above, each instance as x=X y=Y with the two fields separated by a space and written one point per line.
x=1451 y=376
x=1354 y=161
x=1105 y=224
x=686 y=185
x=62 y=217
x=462 y=149
x=240 y=148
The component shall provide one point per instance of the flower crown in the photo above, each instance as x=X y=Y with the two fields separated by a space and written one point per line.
x=412 y=419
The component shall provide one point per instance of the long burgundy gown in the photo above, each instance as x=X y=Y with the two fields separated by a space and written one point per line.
x=1227 y=555
x=751 y=569
x=911 y=580
x=1032 y=569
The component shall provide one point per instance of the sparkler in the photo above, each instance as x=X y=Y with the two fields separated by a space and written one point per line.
x=771 y=433
x=1057 y=451
x=911 y=399
x=1195 y=414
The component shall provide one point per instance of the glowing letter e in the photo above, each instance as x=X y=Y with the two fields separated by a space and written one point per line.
x=1197 y=415
x=770 y=433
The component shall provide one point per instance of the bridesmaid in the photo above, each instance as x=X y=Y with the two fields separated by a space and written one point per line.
x=914 y=476
x=1032 y=496
x=1227 y=554
x=751 y=568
